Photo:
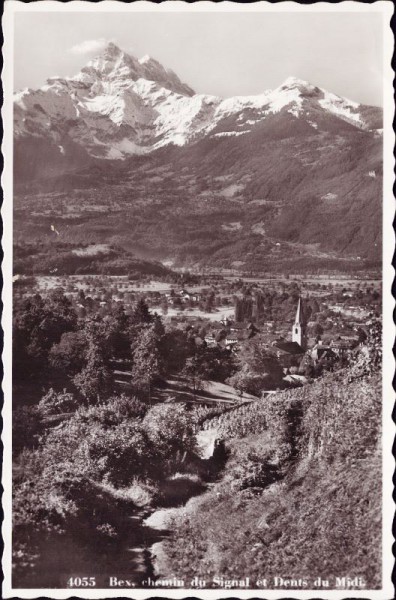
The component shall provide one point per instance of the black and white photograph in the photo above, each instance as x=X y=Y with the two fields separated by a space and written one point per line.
x=197 y=306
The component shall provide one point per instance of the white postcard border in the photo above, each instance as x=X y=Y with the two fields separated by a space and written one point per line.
x=386 y=8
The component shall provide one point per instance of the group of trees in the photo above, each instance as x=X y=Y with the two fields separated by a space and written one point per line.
x=48 y=336
x=208 y=363
x=84 y=446
x=257 y=369
x=207 y=301
x=274 y=306
x=84 y=355
x=39 y=324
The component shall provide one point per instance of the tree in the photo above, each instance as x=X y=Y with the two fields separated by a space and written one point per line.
x=141 y=314
x=207 y=363
x=26 y=428
x=119 y=335
x=175 y=347
x=256 y=356
x=177 y=302
x=60 y=316
x=193 y=371
x=147 y=364
x=39 y=324
x=211 y=363
x=209 y=302
x=81 y=296
x=248 y=381
x=362 y=335
x=95 y=380
x=164 y=306
x=316 y=329
x=69 y=355
x=258 y=369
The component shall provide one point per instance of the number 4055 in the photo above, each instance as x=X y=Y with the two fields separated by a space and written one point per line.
x=81 y=582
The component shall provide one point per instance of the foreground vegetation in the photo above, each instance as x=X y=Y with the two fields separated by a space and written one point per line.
x=300 y=485
x=300 y=495
x=87 y=455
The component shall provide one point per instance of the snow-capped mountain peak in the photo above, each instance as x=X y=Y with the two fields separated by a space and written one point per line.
x=116 y=65
x=119 y=105
x=295 y=82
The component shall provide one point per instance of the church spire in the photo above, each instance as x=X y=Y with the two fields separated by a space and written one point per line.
x=299 y=333
x=299 y=312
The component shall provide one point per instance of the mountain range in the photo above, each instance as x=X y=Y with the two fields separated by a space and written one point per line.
x=127 y=152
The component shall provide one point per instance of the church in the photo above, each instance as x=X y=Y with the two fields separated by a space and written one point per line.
x=290 y=353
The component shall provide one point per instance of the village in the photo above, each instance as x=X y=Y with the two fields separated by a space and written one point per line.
x=306 y=327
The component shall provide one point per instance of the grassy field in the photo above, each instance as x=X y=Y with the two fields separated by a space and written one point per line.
x=49 y=282
x=215 y=315
x=179 y=389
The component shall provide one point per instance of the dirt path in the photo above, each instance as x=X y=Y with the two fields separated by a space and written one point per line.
x=162 y=521
x=206 y=441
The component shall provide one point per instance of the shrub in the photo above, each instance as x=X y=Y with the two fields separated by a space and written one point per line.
x=114 y=411
x=170 y=428
x=26 y=428
x=56 y=403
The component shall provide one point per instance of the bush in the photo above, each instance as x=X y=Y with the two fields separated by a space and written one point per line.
x=56 y=403
x=140 y=493
x=26 y=428
x=114 y=411
x=170 y=428
x=253 y=465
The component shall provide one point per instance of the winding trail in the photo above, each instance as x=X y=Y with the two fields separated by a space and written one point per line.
x=135 y=553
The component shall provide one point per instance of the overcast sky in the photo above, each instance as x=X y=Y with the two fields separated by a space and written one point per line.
x=222 y=54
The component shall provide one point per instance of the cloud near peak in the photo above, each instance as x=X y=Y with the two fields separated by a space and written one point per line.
x=90 y=46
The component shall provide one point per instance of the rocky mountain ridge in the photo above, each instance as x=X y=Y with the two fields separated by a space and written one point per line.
x=118 y=106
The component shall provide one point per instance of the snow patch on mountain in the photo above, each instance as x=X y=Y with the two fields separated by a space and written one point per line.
x=19 y=96
x=341 y=107
x=239 y=103
x=285 y=96
x=145 y=59
x=230 y=133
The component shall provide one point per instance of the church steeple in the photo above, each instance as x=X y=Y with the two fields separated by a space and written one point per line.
x=299 y=333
